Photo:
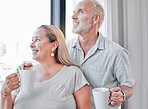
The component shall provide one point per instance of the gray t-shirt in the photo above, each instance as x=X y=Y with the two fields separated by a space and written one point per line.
x=55 y=93
x=105 y=65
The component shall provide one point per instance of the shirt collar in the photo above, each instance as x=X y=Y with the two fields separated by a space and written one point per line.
x=76 y=43
x=100 y=43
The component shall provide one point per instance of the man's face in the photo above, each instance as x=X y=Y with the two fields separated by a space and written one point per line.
x=82 y=17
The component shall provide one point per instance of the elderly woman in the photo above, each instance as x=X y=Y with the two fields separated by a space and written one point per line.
x=58 y=83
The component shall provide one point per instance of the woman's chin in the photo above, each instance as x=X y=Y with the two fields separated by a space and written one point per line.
x=35 y=58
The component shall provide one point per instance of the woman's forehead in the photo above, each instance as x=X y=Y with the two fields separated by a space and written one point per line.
x=40 y=32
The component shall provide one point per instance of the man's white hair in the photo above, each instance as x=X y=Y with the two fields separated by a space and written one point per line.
x=97 y=9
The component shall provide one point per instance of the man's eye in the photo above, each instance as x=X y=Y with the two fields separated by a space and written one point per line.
x=37 y=39
x=80 y=12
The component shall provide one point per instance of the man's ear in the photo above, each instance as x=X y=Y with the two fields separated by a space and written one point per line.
x=55 y=45
x=97 y=19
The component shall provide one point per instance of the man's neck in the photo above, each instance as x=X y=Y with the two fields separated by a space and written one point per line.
x=88 y=40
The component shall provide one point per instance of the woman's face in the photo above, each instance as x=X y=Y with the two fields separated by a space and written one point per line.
x=41 y=47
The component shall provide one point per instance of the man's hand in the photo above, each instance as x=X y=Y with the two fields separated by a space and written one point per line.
x=116 y=97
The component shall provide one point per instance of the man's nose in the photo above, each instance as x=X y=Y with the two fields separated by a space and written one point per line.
x=74 y=16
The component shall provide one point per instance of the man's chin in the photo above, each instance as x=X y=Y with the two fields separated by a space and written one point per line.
x=76 y=31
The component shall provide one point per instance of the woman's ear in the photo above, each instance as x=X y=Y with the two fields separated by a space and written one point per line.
x=96 y=19
x=55 y=45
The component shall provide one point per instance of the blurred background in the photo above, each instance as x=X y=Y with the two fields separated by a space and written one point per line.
x=125 y=23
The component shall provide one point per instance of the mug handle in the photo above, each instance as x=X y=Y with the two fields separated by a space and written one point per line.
x=109 y=100
x=18 y=75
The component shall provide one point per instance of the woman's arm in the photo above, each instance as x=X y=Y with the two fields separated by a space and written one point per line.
x=11 y=83
x=82 y=97
x=7 y=101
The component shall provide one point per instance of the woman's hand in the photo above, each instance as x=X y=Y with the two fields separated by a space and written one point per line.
x=11 y=83
x=25 y=66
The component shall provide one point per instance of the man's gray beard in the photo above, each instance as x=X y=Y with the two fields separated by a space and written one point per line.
x=82 y=28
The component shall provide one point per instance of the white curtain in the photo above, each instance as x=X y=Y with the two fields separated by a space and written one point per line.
x=130 y=30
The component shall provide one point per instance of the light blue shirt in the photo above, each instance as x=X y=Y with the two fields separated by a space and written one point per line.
x=105 y=65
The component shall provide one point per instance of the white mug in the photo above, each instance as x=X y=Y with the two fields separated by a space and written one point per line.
x=101 y=98
x=27 y=78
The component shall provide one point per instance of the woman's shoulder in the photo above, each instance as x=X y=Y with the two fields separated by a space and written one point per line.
x=73 y=69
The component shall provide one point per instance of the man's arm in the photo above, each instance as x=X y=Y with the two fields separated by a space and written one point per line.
x=129 y=91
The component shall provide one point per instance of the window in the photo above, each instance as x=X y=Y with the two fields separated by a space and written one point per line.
x=19 y=19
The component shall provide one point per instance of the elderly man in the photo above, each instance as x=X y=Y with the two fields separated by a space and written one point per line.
x=103 y=62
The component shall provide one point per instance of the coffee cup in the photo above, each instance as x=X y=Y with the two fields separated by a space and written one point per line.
x=101 y=98
x=27 y=78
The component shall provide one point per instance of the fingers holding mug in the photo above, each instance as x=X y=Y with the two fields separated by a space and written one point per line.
x=24 y=66
x=11 y=83
x=115 y=102
x=116 y=97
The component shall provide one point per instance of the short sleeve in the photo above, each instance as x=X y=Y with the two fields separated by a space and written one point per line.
x=80 y=80
x=123 y=70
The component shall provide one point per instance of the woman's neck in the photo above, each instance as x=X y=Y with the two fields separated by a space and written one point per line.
x=45 y=72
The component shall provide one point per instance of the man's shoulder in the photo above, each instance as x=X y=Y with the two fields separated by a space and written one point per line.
x=113 y=46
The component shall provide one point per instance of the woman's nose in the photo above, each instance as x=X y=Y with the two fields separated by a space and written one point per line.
x=32 y=45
